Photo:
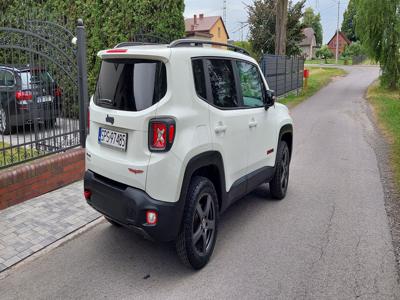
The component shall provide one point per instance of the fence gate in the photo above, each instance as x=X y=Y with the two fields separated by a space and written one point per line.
x=43 y=88
x=283 y=74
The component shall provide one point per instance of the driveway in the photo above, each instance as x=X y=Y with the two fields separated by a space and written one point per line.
x=329 y=239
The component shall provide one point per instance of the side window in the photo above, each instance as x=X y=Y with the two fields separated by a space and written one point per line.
x=251 y=84
x=222 y=83
x=6 y=78
x=199 y=79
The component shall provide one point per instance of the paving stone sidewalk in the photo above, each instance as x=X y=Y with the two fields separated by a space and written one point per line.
x=34 y=224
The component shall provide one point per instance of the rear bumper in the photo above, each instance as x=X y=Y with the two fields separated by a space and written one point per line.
x=127 y=206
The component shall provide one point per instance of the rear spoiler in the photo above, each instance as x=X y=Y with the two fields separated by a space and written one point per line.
x=154 y=53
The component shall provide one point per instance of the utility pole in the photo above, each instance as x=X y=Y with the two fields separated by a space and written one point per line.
x=224 y=12
x=337 y=33
x=280 y=28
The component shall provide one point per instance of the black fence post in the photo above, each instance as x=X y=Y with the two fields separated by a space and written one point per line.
x=82 y=81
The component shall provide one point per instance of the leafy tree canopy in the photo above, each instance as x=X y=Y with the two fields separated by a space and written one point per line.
x=348 y=23
x=313 y=20
x=261 y=17
x=354 y=49
x=378 y=27
x=324 y=52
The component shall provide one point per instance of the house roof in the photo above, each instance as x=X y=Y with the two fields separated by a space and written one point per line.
x=342 y=35
x=309 y=37
x=203 y=24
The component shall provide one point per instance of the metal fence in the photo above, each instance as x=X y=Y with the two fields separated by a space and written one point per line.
x=358 y=59
x=283 y=74
x=43 y=88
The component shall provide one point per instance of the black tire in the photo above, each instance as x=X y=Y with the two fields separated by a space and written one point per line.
x=5 y=127
x=196 y=241
x=50 y=123
x=112 y=222
x=279 y=183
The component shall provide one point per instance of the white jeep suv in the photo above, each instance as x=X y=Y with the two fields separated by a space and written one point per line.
x=178 y=133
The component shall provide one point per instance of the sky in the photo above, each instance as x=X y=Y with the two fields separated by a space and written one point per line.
x=236 y=13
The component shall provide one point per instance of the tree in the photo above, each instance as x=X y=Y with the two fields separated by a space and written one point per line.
x=261 y=18
x=378 y=27
x=313 y=20
x=281 y=26
x=324 y=52
x=348 y=23
x=354 y=49
x=294 y=28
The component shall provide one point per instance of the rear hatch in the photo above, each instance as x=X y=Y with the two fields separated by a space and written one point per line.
x=38 y=93
x=127 y=92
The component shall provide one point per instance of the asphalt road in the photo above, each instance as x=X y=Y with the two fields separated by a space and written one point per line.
x=329 y=239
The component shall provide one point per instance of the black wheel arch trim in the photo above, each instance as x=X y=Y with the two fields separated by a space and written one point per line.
x=287 y=128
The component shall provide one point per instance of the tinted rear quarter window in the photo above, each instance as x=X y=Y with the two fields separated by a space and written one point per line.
x=199 y=79
x=130 y=85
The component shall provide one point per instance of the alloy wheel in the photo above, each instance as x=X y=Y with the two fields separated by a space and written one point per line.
x=285 y=169
x=203 y=228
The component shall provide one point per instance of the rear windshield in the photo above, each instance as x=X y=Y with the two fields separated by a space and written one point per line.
x=130 y=85
x=35 y=77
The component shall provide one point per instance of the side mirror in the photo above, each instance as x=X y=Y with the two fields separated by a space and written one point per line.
x=269 y=99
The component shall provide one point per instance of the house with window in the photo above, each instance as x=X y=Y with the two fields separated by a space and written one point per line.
x=210 y=28
x=343 y=42
x=308 y=45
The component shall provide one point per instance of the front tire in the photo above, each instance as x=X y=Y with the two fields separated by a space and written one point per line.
x=5 y=127
x=196 y=241
x=279 y=183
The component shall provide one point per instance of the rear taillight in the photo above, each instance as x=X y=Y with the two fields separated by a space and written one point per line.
x=57 y=92
x=161 y=134
x=23 y=96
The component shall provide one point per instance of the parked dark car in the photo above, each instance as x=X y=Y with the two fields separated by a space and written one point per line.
x=26 y=94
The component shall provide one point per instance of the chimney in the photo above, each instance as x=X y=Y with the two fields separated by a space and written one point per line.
x=201 y=16
x=195 y=20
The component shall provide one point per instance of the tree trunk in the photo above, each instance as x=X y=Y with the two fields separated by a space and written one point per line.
x=281 y=27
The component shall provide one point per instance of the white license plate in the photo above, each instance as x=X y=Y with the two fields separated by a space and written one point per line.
x=112 y=138
x=42 y=99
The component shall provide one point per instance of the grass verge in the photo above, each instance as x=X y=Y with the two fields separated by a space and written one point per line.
x=329 y=61
x=386 y=106
x=18 y=154
x=319 y=77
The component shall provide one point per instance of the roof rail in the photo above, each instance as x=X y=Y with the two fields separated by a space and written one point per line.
x=198 y=43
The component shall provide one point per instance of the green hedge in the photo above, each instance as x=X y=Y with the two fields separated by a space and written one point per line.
x=107 y=22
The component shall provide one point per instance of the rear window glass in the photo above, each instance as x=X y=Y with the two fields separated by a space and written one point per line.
x=6 y=78
x=130 y=85
x=35 y=77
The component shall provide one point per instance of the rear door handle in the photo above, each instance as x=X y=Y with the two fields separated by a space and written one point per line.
x=220 y=129
x=252 y=124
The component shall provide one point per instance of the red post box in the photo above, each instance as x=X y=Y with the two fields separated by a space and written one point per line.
x=306 y=73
